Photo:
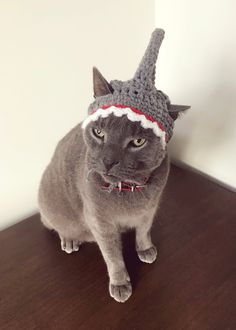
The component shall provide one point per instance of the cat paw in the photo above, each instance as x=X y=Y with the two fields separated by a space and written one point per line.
x=149 y=255
x=69 y=246
x=120 y=293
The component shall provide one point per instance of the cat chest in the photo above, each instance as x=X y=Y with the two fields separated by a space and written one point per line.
x=130 y=220
x=127 y=211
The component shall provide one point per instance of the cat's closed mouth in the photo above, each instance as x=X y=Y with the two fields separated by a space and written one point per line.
x=110 y=178
x=108 y=174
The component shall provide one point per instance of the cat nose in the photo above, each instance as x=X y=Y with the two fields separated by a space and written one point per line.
x=109 y=163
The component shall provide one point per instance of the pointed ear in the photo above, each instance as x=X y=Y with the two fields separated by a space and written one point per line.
x=175 y=110
x=100 y=85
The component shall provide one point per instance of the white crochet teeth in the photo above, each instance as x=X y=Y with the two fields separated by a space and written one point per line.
x=131 y=115
x=119 y=186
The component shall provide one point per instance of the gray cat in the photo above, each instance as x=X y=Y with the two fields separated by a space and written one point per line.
x=108 y=173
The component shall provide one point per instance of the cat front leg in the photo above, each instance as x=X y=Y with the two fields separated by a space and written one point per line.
x=69 y=245
x=146 y=251
x=109 y=242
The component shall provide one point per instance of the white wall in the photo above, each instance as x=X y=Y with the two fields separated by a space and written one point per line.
x=47 y=51
x=198 y=67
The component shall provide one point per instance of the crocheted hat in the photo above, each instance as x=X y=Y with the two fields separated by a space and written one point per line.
x=138 y=97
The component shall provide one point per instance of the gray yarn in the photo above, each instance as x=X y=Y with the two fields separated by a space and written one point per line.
x=140 y=92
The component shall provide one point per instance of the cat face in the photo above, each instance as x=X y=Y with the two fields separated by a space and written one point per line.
x=122 y=150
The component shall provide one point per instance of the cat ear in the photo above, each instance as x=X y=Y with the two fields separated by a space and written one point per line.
x=175 y=110
x=100 y=85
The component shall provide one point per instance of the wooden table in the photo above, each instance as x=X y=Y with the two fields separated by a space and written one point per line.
x=191 y=286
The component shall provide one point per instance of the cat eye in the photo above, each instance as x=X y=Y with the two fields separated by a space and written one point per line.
x=98 y=133
x=138 y=142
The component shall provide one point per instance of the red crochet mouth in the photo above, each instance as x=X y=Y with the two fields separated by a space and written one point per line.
x=121 y=106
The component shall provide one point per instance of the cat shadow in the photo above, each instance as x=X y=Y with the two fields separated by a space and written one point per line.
x=132 y=262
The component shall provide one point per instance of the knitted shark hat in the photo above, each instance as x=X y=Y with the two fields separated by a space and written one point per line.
x=138 y=97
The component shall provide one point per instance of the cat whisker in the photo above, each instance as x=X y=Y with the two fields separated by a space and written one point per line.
x=88 y=173
x=142 y=193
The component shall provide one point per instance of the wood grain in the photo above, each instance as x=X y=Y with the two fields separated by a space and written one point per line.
x=191 y=286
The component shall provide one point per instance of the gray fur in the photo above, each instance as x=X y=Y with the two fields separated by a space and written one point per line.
x=72 y=202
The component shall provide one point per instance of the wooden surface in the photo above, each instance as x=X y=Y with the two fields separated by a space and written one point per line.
x=192 y=285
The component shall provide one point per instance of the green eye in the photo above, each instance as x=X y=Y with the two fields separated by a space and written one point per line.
x=98 y=133
x=138 y=142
